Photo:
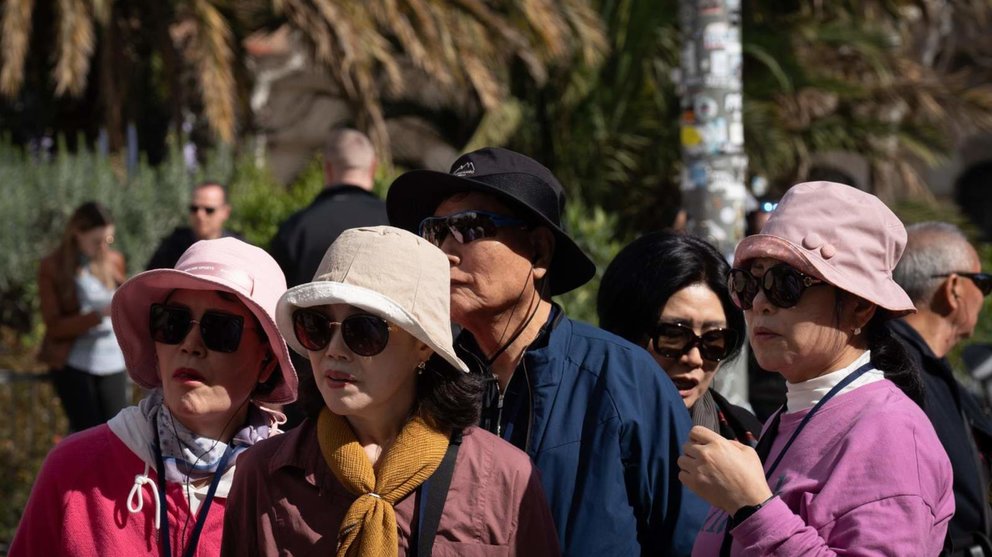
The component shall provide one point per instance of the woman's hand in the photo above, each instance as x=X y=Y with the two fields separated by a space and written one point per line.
x=725 y=473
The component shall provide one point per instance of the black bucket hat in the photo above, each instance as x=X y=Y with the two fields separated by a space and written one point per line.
x=517 y=180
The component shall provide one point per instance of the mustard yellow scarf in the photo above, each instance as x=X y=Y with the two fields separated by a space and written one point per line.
x=369 y=527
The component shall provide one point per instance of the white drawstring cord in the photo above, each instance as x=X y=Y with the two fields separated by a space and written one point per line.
x=140 y=480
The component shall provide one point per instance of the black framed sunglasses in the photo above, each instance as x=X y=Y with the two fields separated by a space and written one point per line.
x=363 y=334
x=221 y=332
x=982 y=280
x=672 y=340
x=467 y=226
x=783 y=286
x=194 y=209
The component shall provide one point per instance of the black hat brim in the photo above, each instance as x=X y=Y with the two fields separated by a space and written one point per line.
x=415 y=196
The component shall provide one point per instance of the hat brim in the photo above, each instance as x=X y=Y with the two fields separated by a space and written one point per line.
x=325 y=292
x=888 y=295
x=130 y=317
x=415 y=196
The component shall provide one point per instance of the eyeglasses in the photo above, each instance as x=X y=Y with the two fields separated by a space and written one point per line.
x=467 y=226
x=221 y=332
x=982 y=280
x=672 y=340
x=783 y=286
x=194 y=209
x=363 y=334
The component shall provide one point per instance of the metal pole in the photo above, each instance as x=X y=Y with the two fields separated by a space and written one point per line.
x=712 y=127
x=712 y=137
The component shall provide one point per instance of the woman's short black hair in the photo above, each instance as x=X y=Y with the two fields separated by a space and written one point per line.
x=645 y=274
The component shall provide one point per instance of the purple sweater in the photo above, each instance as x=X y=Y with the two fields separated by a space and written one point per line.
x=867 y=476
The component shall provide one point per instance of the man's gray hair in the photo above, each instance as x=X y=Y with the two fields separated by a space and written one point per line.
x=349 y=149
x=933 y=248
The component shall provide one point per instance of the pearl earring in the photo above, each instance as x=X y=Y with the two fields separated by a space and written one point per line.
x=421 y=367
x=857 y=331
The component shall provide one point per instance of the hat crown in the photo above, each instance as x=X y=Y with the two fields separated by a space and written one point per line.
x=837 y=220
x=398 y=265
x=523 y=178
x=245 y=269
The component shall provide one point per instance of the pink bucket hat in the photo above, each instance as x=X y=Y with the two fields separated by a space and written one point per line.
x=226 y=265
x=839 y=234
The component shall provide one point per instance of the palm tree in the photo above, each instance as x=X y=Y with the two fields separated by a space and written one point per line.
x=466 y=43
x=891 y=80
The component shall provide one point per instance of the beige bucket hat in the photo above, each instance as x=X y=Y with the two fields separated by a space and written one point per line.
x=388 y=272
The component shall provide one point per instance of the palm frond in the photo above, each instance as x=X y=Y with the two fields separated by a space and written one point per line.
x=211 y=52
x=75 y=45
x=15 y=30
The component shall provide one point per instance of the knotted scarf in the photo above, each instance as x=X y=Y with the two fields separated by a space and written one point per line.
x=369 y=527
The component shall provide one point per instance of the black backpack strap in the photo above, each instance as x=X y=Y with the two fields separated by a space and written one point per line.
x=433 y=492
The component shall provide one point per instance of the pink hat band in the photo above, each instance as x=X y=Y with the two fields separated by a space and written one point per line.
x=837 y=233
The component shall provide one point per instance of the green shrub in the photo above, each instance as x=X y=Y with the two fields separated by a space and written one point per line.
x=595 y=231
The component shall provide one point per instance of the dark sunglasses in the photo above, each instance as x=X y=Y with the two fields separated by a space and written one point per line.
x=982 y=280
x=672 y=340
x=194 y=209
x=221 y=332
x=783 y=286
x=363 y=334
x=466 y=226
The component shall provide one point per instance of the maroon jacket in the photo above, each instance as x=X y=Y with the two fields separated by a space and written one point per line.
x=286 y=501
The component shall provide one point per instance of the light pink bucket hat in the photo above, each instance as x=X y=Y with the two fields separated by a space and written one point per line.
x=226 y=265
x=839 y=234
x=388 y=272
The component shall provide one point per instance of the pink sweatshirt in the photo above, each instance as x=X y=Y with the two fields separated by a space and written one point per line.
x=867 y=476
x=78 y=505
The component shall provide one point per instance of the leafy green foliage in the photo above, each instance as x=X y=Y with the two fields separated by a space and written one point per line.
x=595 y=231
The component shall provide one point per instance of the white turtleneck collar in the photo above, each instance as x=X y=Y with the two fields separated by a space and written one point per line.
x=803 y=396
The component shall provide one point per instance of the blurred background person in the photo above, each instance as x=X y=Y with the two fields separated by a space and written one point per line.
x=208 y=211
x=942 y=274
x=347 y=201
x=852 y=465
x=390 y=407
x=202 y=337
x=75 y=285
x=667 y=292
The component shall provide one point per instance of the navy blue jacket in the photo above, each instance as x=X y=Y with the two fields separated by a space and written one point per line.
x=605 y=426
x=964 y=431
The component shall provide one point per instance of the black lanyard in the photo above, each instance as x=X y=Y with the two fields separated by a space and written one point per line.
x=201 y=517
x=773 y=428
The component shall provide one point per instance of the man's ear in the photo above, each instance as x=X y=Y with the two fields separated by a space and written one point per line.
x=543 y=250
x=947 y=297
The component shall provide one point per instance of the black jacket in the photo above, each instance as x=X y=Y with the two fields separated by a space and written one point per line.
x=174 y=245
x=302 y=240
x=964 y=430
